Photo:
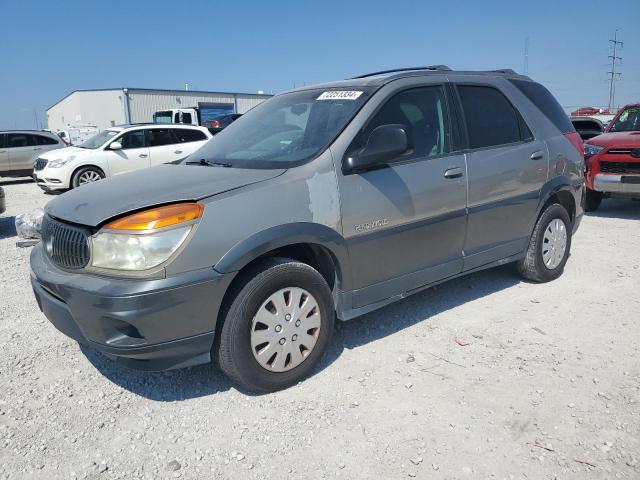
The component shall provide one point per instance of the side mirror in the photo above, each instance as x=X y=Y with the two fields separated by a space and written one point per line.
x=115 y=146
x=384 y=144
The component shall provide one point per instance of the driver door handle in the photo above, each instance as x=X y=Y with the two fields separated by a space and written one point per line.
x=178 y=151
x=537 y=156
x=455 y=172
x=143 y=155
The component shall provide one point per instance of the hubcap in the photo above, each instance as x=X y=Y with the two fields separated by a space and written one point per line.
x=554 y=243
x=285 y=329
x=88 y=177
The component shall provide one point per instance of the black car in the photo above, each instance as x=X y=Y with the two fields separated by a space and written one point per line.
x=223 y=121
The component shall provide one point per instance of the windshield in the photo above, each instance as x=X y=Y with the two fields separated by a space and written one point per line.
x=100 y=139
x=163 y=117
x=284 y=131
x=627 y=121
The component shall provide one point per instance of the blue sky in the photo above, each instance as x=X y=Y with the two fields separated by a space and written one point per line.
x=51 y=48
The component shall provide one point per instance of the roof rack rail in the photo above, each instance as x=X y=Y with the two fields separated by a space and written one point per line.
x=442 y=68
x=510 y=71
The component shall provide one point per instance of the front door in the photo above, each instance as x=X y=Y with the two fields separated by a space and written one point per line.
x=133 y=155
x=405 y=223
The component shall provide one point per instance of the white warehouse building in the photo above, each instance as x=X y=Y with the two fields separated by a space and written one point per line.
x=105 y=108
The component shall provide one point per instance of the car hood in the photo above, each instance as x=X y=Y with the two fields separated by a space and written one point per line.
x=65 y=152
x=95 y=203
x=617 y=139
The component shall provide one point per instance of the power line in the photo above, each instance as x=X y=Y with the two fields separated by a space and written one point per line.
x=613 y=75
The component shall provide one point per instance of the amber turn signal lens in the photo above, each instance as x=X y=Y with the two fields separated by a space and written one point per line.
x=159 y=217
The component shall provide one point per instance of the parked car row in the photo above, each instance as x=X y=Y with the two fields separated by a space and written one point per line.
x=325 y=202
x=20 y=148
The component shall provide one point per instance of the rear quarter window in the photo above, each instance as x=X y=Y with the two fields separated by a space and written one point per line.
x=546 y=103
x=42 y=140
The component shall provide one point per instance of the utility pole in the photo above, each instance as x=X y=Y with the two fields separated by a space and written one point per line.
x=526 y=55
x=613 y=75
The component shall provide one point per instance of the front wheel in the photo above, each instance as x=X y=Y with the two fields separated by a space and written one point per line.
x=86 y=175
x=277 y=327
x=549 y=246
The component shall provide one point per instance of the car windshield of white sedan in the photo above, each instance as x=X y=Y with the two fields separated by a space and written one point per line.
x=628 y=121
x=284 y=131
x=98 y=140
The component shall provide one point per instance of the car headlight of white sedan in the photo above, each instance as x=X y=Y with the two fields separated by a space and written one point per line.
x=59 y=162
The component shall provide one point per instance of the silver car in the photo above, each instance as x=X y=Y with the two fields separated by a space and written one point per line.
x=325 y=202
x=19 y=149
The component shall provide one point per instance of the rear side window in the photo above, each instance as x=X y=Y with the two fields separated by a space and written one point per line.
x=158 y=137
x=490 y=118
x=17 y=140
x=184 y=135
x=42 y=140
x=546 y=103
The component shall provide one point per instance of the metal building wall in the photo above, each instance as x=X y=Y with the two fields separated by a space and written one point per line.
x=103 y=108
x=144 y=103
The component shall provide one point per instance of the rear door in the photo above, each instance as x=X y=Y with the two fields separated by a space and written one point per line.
x=133 y=155
x=188 y=141
x=163 y=147
x=507 y=168
x=23 y=150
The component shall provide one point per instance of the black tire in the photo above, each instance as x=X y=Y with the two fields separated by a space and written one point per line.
x=532 y=266
x=235 y=356
x=75 y=181
x=592 y=201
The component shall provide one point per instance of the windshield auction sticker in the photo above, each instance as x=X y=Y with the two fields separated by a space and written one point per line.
x=340 y=95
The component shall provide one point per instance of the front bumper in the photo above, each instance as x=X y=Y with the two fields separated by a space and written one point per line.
x=148 y=324
x=620 y=184
x=48 y=180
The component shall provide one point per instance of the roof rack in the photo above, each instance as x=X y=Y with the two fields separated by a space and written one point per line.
x=437 y=68
x=509 y=71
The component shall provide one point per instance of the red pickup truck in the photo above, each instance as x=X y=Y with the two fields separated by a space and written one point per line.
x=612 y=159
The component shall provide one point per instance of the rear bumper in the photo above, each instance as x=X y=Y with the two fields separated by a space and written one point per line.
x=146 y=324
x=622 y=184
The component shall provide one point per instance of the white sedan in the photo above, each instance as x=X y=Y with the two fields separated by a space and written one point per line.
x=117 y=150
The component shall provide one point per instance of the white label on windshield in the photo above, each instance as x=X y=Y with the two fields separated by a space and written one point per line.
x=340 y=95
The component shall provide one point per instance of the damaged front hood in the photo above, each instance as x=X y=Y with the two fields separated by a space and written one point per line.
x=95 y=203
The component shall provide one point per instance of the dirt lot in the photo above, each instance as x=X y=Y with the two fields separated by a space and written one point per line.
x=548 y=387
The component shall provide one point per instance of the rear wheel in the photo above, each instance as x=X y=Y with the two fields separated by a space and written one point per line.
x=86 y=175
x=592 y=200
x=277 y=327
x=549 y=246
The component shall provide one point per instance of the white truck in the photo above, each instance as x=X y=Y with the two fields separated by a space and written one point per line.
x=203 y=115
x=76 y=134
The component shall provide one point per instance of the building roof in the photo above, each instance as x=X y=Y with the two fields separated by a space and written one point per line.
x=162 y=90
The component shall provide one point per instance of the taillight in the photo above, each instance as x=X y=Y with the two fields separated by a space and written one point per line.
x=576 y=141
x=215 y=123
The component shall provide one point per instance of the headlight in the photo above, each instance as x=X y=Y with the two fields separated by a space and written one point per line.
x=57 y=163
x=590 y=150
x=146 y=239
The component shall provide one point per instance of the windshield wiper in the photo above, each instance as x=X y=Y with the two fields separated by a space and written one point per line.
x=209 y=163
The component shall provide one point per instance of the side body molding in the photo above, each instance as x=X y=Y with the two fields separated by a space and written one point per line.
x=280 y=236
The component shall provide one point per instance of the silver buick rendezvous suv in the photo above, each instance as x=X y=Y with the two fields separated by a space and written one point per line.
x=324 y=202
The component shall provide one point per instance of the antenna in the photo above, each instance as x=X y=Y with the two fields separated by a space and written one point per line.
x=613 y=75
x=526 y=56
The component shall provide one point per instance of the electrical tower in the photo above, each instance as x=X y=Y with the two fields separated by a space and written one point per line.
x=526 y=56
x=613 y=75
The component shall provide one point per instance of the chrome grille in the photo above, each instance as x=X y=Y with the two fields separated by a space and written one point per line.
x=66 y=245
x=40 y=164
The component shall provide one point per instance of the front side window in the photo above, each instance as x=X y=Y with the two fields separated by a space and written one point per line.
x=186 y=117
x=627 y=121
x=286 y=130
x=184 y=135
x=133 y=139
x=490 y=118
x=99 y=140
x=158 y=137
x=422 y=112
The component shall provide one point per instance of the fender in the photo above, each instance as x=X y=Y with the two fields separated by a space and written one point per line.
x=559 y=184
x=280 y=236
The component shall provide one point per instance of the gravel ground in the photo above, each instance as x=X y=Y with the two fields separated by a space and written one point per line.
x=547 y=387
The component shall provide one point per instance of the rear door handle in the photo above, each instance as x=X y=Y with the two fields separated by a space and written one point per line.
x=537 y=156
x=143 y=155
x=455 y=172
x=178 y=151
x=38 y=148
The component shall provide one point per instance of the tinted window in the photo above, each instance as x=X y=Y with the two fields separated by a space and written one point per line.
x=159 y=136
x=42 y=140
x=17 y=140
x=133 y=139
x=184 y=135
x=186 y=118
x=548 y=105
x=491 y=120
x=422 y=111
